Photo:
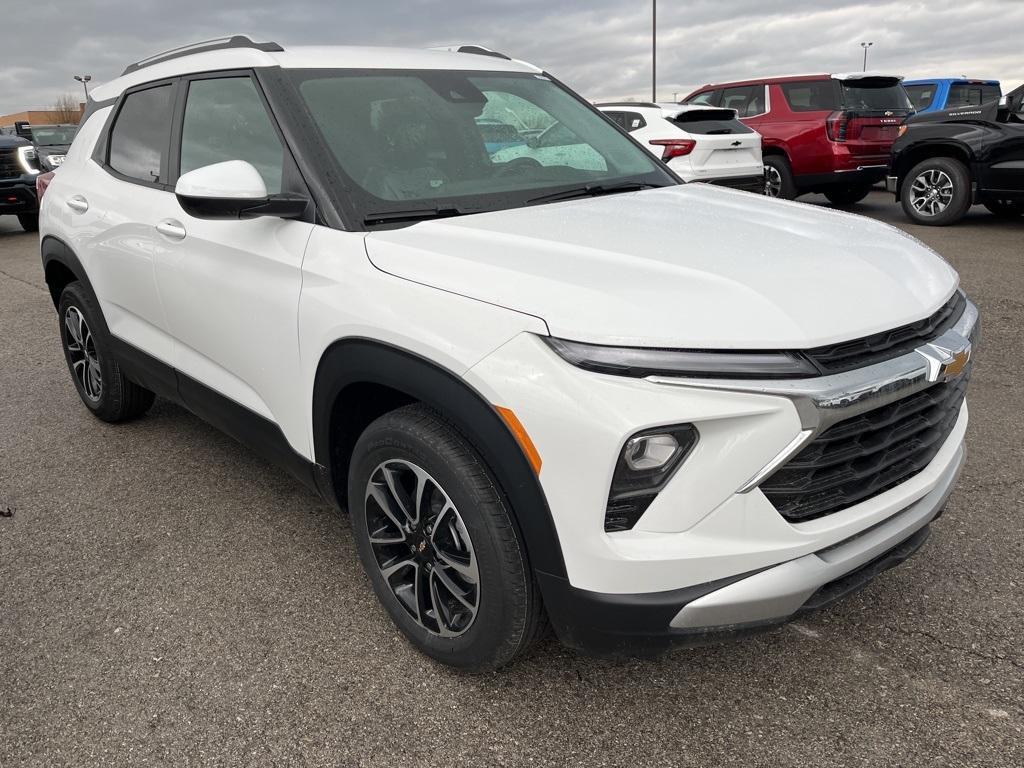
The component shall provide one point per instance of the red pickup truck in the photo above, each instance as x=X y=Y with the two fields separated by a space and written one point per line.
x=822 y=133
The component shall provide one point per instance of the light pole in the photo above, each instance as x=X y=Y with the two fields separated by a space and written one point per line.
x=654 y=50
x=84 y=80
x=865 y=46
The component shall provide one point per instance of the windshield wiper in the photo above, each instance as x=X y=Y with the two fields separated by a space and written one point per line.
x=593 y=190
x=415 y=214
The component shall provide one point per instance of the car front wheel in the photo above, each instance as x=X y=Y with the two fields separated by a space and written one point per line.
x=438 y=543
x=936 y=192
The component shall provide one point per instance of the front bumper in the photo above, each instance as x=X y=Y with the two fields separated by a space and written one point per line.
x=705 y=613
x=18 y=195
x=712 y=554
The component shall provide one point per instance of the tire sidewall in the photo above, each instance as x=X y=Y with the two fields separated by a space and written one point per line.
x=788 y=190
x=957 y=207
x=78 y=296
x=491 y=639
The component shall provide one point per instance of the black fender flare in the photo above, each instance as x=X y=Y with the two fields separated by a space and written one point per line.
x=54 y=250
x=359 y=361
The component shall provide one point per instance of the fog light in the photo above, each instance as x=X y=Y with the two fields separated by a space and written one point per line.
x=647 y=462
x=649 y=451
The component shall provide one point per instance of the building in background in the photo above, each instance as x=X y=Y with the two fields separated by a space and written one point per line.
x=45 y=116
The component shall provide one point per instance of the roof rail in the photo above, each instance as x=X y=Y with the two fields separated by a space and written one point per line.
x=217 y=44
x=479 y=50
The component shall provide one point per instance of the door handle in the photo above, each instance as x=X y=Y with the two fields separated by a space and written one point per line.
x=78 y=204
x=171 y=229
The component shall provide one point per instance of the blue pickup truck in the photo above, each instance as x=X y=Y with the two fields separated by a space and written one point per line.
x=934 y=94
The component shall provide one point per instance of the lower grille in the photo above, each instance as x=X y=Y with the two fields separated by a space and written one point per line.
x=866 y=455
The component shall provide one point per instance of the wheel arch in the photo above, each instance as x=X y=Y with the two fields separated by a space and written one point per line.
x=358 y=380
x=913 y=155
x=61 y=266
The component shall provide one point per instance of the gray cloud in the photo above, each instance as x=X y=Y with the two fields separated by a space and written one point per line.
x=599 y=47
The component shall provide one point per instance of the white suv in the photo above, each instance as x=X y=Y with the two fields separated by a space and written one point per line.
x=643 y=411
x=699 y=143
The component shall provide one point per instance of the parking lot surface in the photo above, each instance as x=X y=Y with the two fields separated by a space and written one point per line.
x=166 y=598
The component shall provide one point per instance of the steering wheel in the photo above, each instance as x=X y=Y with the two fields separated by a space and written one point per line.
x=518 y=165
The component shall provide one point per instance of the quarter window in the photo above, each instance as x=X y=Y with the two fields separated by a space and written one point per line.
x=812 y=95
x=708 y=97
x=141 y=133
x=920 y=95
x=225 y=120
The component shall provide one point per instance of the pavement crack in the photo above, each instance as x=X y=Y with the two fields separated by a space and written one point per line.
x=954 y=647
x=22 y=281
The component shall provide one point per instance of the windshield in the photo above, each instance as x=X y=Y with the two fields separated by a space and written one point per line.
x=51 y=135
x=464 y=141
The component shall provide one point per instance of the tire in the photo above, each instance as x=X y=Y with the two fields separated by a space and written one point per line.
x=88 y=350
x=29 y=221
x=842 y=197
x=501 y=614
x=1005 y=209
x=779 y=178
x=936 y=192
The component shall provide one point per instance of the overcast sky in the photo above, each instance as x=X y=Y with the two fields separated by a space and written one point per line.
x=599 y=47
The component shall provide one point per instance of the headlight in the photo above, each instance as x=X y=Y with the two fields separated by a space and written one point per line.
x=27 y=156
x=52 y=161
x=640 y=362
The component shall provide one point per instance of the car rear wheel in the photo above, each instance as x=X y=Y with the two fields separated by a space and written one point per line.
x=88 y=350
x=936 y=192
x=438 y=543
x=842 y=197
x=1005 y=208
x=778 y=178
x=29 y=221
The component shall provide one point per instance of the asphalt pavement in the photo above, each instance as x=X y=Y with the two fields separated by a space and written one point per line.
x=167 y=598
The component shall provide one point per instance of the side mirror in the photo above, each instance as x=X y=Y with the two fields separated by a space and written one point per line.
x=233 y=190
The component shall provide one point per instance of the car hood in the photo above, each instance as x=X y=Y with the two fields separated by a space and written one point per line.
x=685 y=266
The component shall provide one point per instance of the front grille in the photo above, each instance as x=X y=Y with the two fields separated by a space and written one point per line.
x=866 y=455
x=9 y=165
x=850 y=355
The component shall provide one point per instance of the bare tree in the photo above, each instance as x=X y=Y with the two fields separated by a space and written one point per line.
x=66 y=110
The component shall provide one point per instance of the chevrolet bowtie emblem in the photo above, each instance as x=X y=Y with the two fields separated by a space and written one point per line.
x=945 y=363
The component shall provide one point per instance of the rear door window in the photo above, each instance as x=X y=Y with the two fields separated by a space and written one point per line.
x=141 y=134
x=747 y=100
x=812 y=96
x=971 y=95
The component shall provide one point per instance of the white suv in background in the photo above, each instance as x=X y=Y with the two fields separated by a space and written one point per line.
x=645 y=411
x=698 y=143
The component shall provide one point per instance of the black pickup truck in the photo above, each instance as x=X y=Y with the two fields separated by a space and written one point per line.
x=19 y=168
x=944 y=162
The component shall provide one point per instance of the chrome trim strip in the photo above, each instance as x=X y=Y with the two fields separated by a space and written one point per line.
x=824 y=401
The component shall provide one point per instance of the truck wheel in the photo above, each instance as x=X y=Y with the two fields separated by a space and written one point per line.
x=841 y=197
x=778 y=178
x=437 y=541
x=29 y=221
x=89 y=354
x=1006 y=209
x=936 y=192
